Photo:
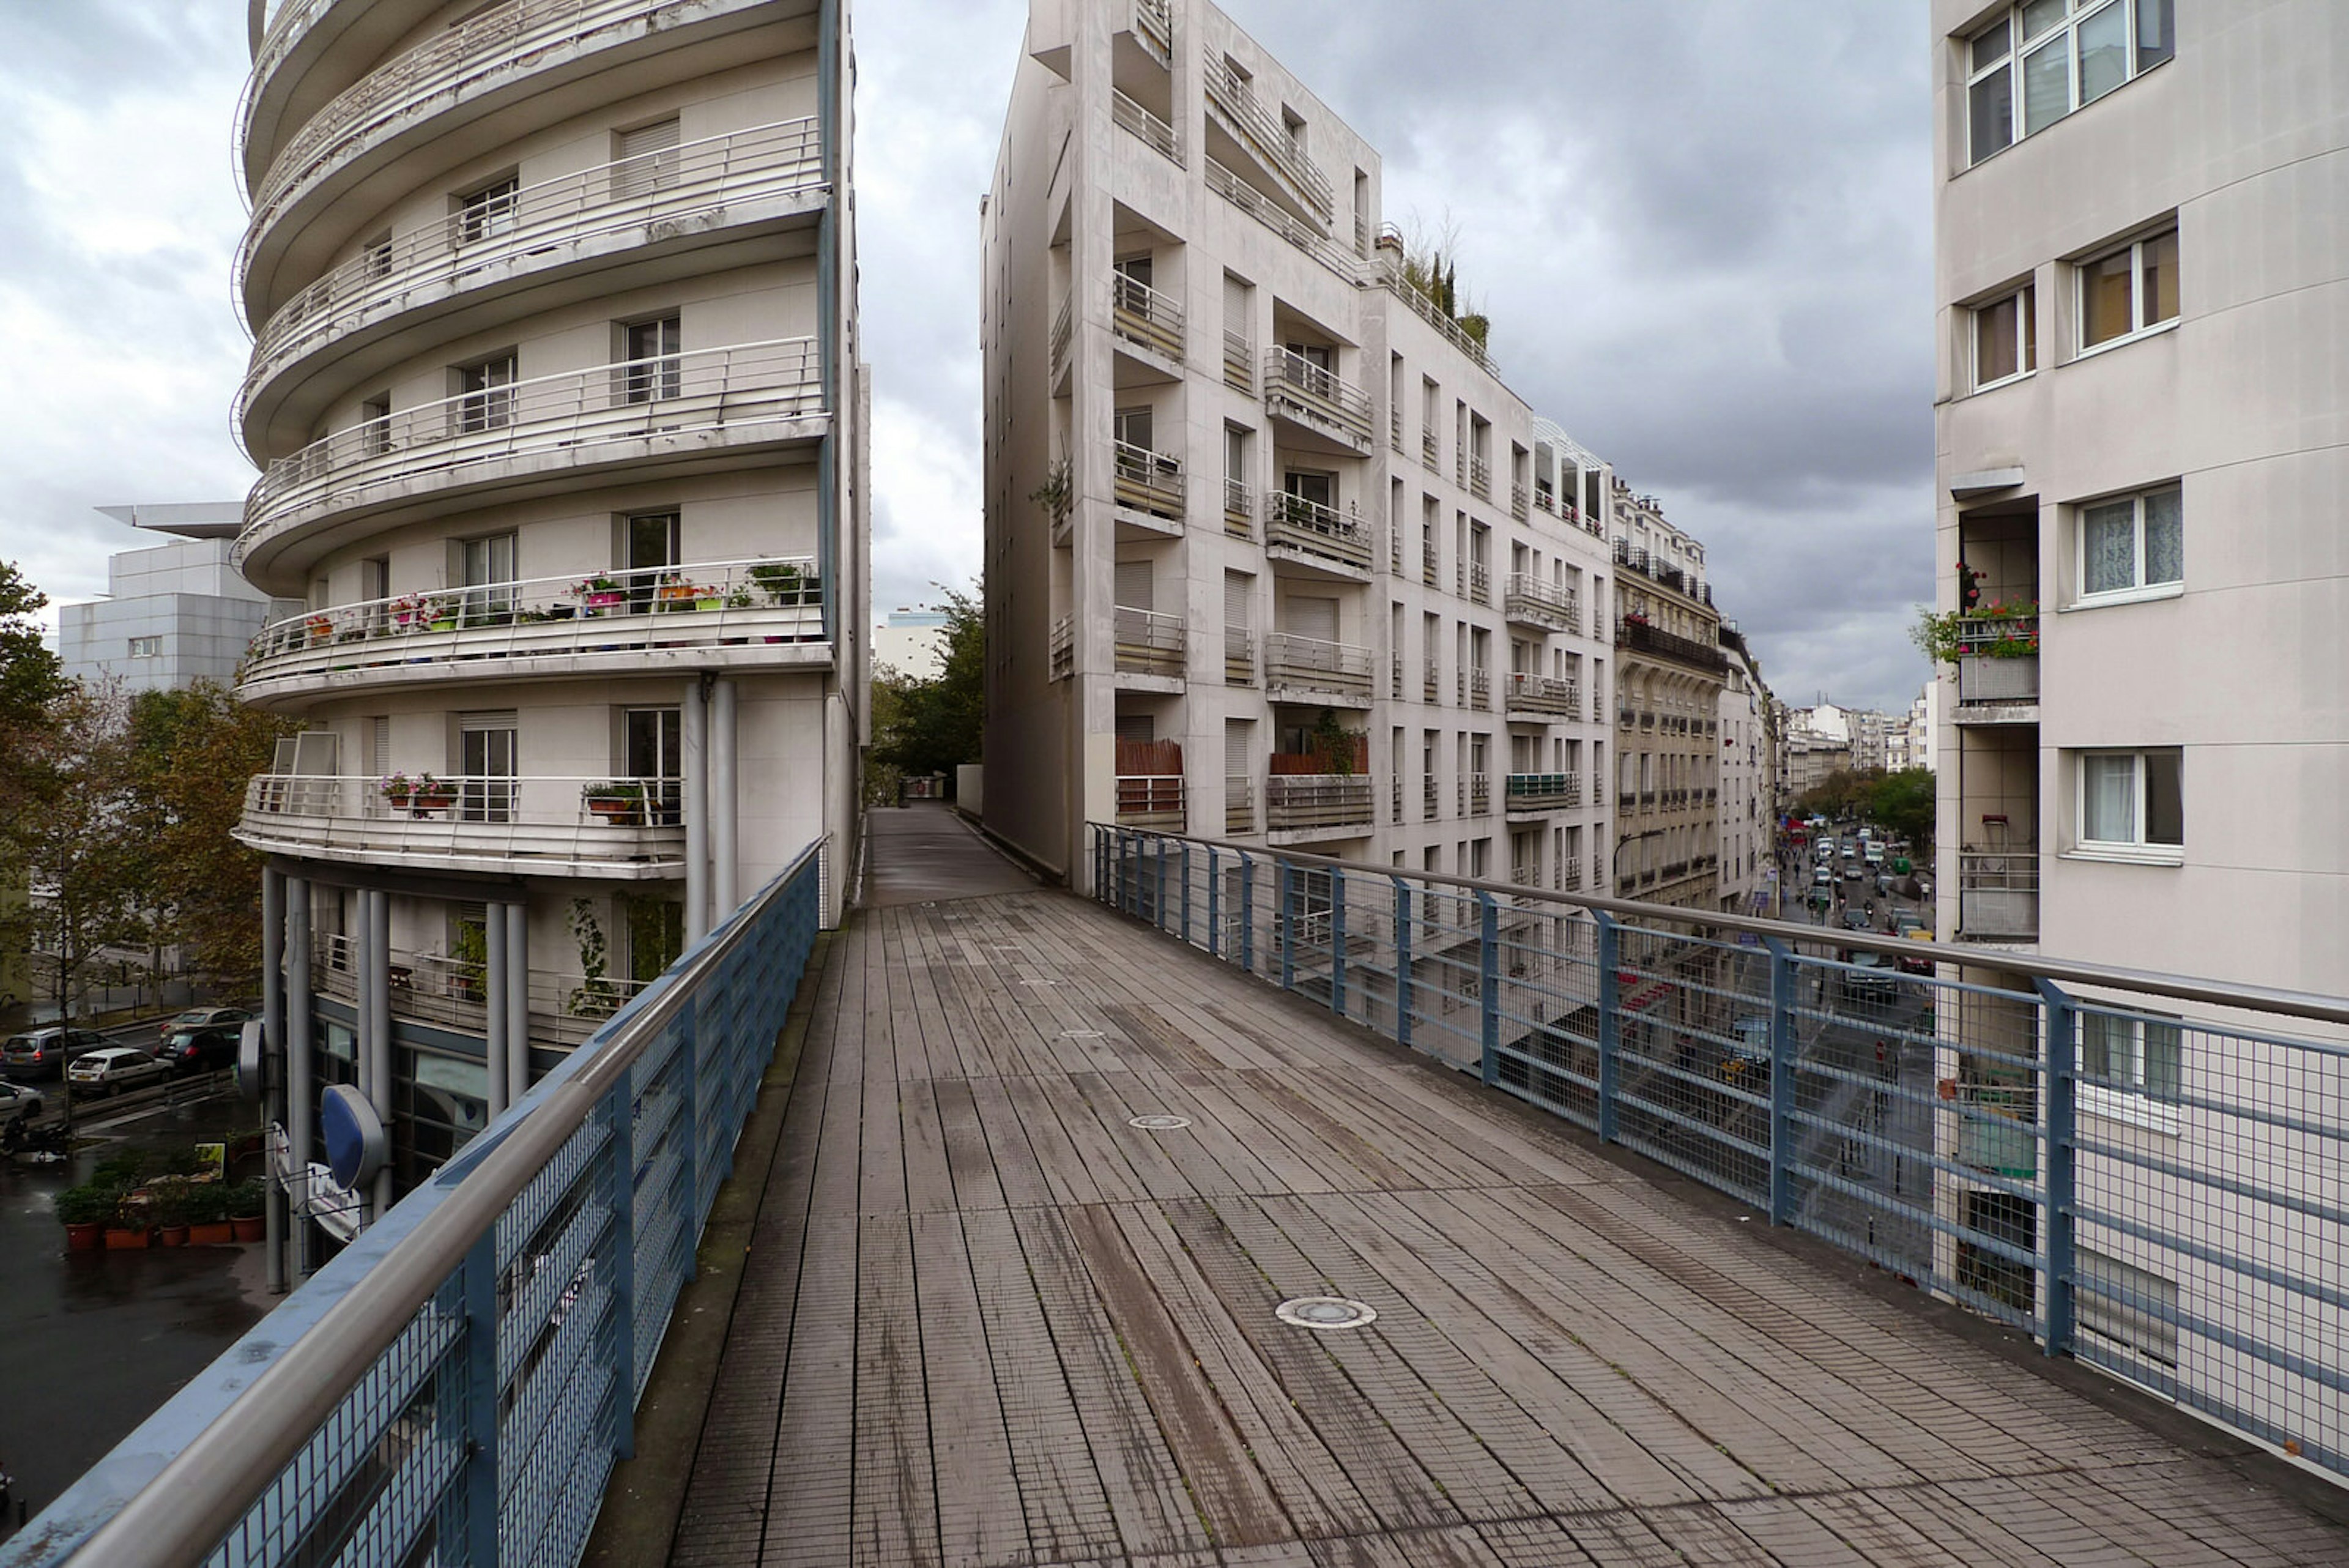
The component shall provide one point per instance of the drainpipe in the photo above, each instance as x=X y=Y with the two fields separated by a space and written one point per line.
x=725 y=805
x=377 y=994
x=695 y=789
x=498 y=1047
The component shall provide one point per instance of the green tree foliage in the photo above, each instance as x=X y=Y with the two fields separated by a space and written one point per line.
x=1842 y=793
x=1903 y=803
x=933 y=726
x=68 y=834
x=31 y=678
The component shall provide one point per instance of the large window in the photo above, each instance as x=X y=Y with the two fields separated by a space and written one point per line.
x=2132 y=544
x=2129 y=289
x=2141 y=1056
x=2006 y=337
x=2133 y=800
x=2065 y=54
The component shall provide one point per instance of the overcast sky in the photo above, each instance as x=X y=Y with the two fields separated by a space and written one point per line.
x=1701 y=231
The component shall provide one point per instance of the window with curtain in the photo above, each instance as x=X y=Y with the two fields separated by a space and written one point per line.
x=2124 y=1051
x=2132 y=543
x=2132 y=800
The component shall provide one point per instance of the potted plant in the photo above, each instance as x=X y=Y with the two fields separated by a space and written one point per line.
x=599 y=592
x=125 y=1226
x=319 y=628
x=620 y=801
x=167 y=1210
x=85 y=1211
x=208 y=1222
x=783 y=582
x=247 y=1202
x=418 y=796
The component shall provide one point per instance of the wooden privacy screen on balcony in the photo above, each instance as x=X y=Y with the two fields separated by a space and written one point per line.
x=1148 y=759
x=1323 y=760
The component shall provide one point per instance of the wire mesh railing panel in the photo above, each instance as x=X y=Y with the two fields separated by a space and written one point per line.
x=1688 y=1096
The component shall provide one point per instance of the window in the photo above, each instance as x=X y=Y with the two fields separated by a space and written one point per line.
x=2127 y=1305
x=486 y=400
x=645 y=159
x=2133 y=800
x=2132 y=543
x=486 y=568
x=2006 y=337
x=2072 y=53
x=654 y=370
x=2129 y=290
x=485 y=214
x=146 y=647
x=2123 y=1051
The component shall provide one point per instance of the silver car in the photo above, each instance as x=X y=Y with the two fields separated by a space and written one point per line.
x=115 y=1069
x=17 y=1104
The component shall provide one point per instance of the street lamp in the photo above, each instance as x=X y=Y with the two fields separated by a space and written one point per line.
x=1615 y=873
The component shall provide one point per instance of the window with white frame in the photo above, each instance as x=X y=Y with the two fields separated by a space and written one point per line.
x=2132 y=544
x=2129 y=289
x=2006 y=337
x=2138 y=1054
x=2064 y=54
x=2133 y=802
x=2128 y=1305
x=146 y=647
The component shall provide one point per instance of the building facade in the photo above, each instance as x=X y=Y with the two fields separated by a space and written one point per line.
x=174 y=614
x=2140 y=306
x=1273 y=555
x=1749 y=784
x=1670 y=677
x=556 y=395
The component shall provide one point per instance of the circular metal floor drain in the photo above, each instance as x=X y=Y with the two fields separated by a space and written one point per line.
x=1159 y=1123
x=1325 y=1311
x=1084 y=1034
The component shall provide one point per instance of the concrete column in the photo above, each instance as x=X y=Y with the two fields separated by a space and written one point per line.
x=694 y=788
x=362 y=955
x=376 y=1000
x=725 y=805
x=273 y=1055
x=497 y=1046
x=301 y=1091
x=517 y=1001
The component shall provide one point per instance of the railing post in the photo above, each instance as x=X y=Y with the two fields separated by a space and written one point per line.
x=1402 y=962
x=1488 y=987
x=1337 y=941
x=1287 y=927
x=2059 y=1185
x=689 y=1060
x=1214 y=906
x=1782 y=1042
x=482 y=1400
x=1186 y=891
x=1158 y=909
x=1101 y=865
x=1610 y=1020
x=620 y=1149
x=1247 y=912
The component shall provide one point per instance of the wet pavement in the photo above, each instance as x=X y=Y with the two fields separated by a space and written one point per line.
x=920 y=853
x=94 y=1342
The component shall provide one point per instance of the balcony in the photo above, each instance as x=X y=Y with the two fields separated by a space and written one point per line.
x=1250 y=127
x=700 y=191
x=1639 y=636
x=454 y=992
x=691 y=616
x=1476 y=687
x=1430 y=569
x=1477 y=795
x=1479 y=478
x=1146 y=318
x=1394 y=428
x=1537 y=699
x=1998 y=895
x=1272 y=216
x=1527 y=600
x=1239 y=364
x=1480 y=583
x=548 y=827
x=1239 y=509
x=1309 y=669
x=1149 y=485
x=1240 y=803
x=1520 y=504
x=1239 y=656
x=1431 y=680
x=1395 y=682
x=1150 y=800
x=1316 y=804
x=1317 y=535
x=1155 y=25
x=1997 y=681
x=1430 y=798
x=1998 y=1128
x=1064 y=328
x=1320 y=400
x=1061 y=649
x=550 y=431
x=1389 y=272
x=1429 y=454
x=1152 y=131
x=1149 y=642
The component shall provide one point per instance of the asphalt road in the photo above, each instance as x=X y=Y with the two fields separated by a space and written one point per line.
x=95 y=1341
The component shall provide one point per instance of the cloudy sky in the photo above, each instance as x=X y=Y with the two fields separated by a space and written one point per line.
x=1701 y=232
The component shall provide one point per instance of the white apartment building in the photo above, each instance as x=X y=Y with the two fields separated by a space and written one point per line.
x=1671 y=674
x=174 y=614
x=1272 y=552
x=2142 y=298
x=555 y=392
x=1748 y=820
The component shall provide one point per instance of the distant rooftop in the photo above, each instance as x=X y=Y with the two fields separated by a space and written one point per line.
x=188 y=519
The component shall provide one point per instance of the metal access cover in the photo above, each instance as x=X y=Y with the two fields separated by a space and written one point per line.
x=1325 y=1311
x=1159 y=1123
x=1084 y=1034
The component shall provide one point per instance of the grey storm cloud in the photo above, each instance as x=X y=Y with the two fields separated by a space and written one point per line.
x=1702 y=230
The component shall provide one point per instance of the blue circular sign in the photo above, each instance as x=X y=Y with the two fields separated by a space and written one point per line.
x=356 y=1144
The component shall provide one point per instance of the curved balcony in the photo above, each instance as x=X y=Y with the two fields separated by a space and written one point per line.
x=485 y=63
x=540 y=432
x=701 y=192
x=704 y=615
x=504 y=826
x=301 y=44
x=454 y=992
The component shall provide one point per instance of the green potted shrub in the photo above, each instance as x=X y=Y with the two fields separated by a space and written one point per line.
x=126 y=1228
x=167 y=1210
x=85 y=1211
x=783 y=582
x=208 y=1223
x=247 y=1202
x=620 y=801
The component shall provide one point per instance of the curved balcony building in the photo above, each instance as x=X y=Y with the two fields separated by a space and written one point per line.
x=555 y=400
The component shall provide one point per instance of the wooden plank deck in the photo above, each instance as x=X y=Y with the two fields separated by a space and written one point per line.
x=987 y=1321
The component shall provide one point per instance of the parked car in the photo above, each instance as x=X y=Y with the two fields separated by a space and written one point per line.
x=201 y=1018
x=1907 y=920
x=1869 y=979
x=115 y=1068
x=18 y=1105
x=1855 y=920
x=202 y=1050
x=44 y=1052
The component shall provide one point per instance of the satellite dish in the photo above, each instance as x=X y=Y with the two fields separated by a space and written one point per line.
x=251 y=1067
x=356 y=1144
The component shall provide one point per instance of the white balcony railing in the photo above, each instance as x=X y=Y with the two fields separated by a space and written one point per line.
x=1262 y=132
x=1265 y=211
x=1320 y=398
x=1479 y=682
x=1391 y=274
x=1239 y=509
x=1149 y=483
x=631 y=828
x=1155 y=25
x=494 y=43
x=1311 y=664
x=1529 y=600
x=1240 y=803
x=1294 y=801
x=624 y=614
x=1239 y=364
x=1315 y=529
x=1998 y=894
x=1155 y=132
x=1142 y=316
x=1480 y=582
x=1520 y=504
x=1149 y=642
x=1430 y=449
x=710 y=176
x=1061 y=649
x=1529 y=693
x=1479 y=478
x=453 y=991
x=1239 y=656
x=742 y=388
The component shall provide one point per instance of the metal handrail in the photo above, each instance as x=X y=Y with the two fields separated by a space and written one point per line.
x=1239 y=362
x=1323 y=396
x=1337 y=666
x=1149 y=642
x=1325 y=530
x=1142 y=315
x=1543 y=693
x=1389 y=272
x=1256 y=205
x=1270 y=139
x=1153 y=132
x=202 y=1491
x=716 y=172
x=1148 y=482
x=734 y=386
x=1530 y=590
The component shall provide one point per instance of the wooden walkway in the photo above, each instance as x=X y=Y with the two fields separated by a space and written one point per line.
x=988 y=1321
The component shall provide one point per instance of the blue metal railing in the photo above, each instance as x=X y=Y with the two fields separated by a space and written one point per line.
x=456 y=1385
x=2147 y=1173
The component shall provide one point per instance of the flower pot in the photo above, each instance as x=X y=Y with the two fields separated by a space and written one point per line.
x=171 y=1235
x=87 y=1238
x=444 y=623
x=122 y=1239
x=247 y=1226
x=710 y=602
x=213 y=1233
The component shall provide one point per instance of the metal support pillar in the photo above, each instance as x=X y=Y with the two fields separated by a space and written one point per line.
x=498 y=1047
x=2058 y=1250
x=725 y=803
x=1337 y=941
x=1403 y=999
x=378 y=1002
x=1488 y=986
x=694 y=786
x=273 y=1060
x=1610 y=1020
x=301 y=1091
x=517 y=1003
x=1783 y=1053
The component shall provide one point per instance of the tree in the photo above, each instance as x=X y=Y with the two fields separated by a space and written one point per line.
x=1904 y=804
x=31 y=676
x=932 y=726
x=67 y=833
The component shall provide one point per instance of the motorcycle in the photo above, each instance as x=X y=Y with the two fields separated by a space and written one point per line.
x=42 y=1143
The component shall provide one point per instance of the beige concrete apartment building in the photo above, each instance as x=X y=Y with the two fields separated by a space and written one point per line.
x=555 y=393
x=1273 y=553
x=1669 y=678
